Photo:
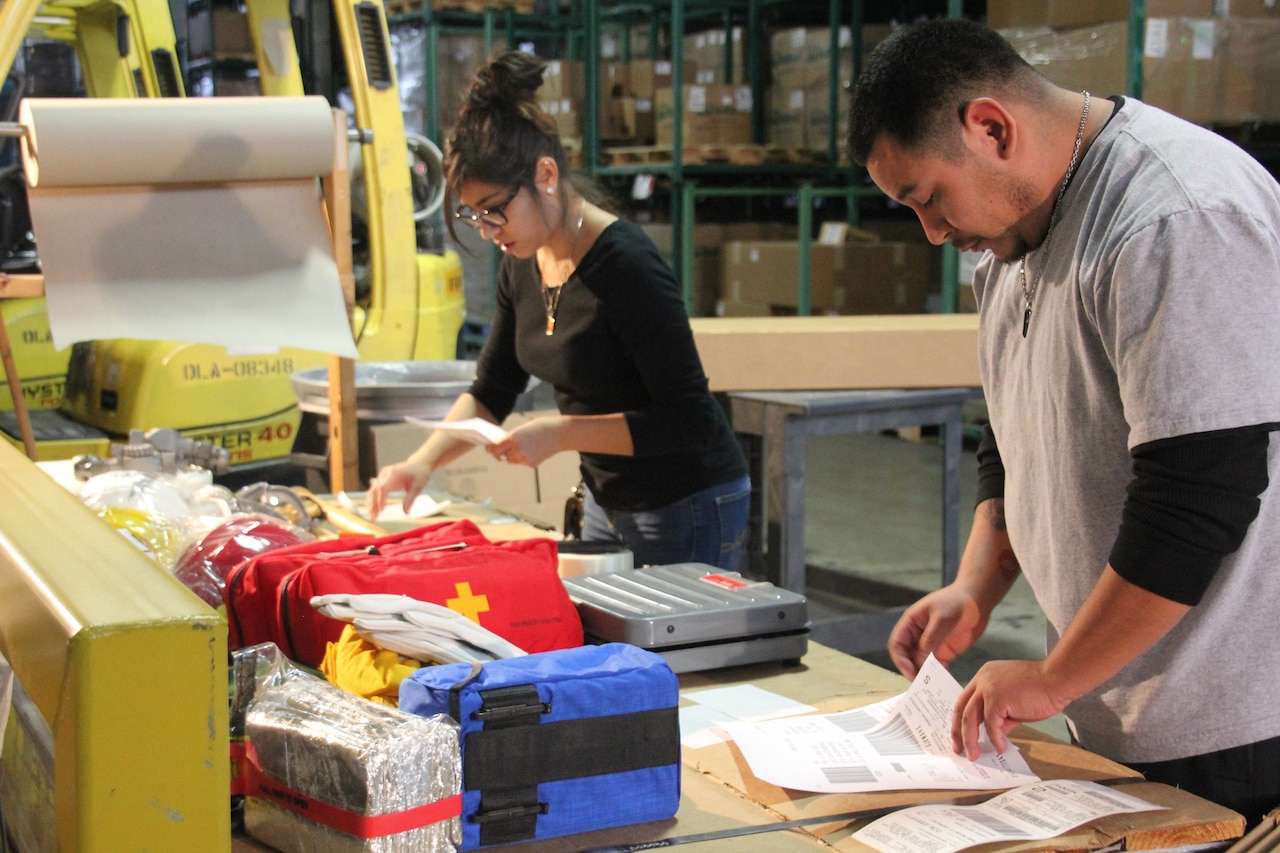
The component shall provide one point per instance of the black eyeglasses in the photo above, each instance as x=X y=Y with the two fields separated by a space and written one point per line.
x=494 y=217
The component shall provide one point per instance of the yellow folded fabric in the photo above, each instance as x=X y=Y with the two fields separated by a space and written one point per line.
x=360 y=667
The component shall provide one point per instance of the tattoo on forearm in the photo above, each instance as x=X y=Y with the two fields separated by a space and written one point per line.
x=995 y=514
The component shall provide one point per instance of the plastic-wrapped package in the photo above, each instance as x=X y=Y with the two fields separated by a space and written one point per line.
x=165 y=494
x=369 y=779
x=204 y=565
x=158 y=536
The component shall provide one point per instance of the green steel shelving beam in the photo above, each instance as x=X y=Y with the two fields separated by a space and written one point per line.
x=1137 y=34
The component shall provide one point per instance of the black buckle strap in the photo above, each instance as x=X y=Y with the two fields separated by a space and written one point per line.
x=511 y=757
x=514 y=752
x=518 y=705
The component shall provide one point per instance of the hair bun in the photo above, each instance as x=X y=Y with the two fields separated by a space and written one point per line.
x=510 y=79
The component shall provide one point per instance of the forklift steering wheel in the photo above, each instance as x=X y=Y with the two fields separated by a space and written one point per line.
x=427 y=164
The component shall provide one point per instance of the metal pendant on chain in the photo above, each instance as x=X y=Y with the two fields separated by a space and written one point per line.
x=1028 y=293
x=551 y=298
x=551 y=295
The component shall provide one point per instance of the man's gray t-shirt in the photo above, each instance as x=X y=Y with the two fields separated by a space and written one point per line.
x=1158 y=316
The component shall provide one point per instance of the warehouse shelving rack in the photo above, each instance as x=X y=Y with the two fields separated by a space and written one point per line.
x=558 y=28
x=689 y=182
x=574 y=31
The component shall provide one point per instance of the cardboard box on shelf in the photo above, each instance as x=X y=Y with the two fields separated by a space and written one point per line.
x=563 y=79
x=709 y=51
x=566 y=117
x=715 y=114
x=731 y=114
x=734 y=308
x=1247 y=8
x=787 y=47
x=1206 y=70
x=1181 y=67
x=1003 y=14
x=786 y=119
x=1093 y=58
x=855 y=278
x=647 y=76
x=1249 y=71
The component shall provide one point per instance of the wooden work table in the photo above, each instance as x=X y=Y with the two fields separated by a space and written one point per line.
x=720 y=794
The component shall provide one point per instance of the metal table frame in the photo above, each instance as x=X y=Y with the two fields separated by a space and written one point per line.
x=784 y=421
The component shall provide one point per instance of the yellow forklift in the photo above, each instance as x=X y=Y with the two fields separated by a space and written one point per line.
x=409 y=295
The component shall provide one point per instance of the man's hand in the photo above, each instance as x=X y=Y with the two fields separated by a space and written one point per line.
x=1002 y=695
x=945 y=622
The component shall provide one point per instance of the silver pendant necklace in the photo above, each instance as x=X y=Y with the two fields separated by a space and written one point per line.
x=551 y=295
x=1028 y=293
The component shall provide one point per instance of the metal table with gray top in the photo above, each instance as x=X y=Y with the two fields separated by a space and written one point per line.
x=779 y=424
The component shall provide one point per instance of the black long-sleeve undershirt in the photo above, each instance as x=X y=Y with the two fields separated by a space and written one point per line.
x=1189 y=505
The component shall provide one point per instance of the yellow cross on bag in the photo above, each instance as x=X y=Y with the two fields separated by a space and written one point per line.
x=470 y=606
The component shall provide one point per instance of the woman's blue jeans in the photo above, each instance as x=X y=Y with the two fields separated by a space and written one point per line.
x=709 y=527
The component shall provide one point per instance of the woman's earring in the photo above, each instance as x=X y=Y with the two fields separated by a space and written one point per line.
x=551 y=190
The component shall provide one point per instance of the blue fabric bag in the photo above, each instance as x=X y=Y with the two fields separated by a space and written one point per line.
x=558 y=742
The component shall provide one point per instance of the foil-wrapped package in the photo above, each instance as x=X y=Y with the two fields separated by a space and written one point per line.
x=329 y=771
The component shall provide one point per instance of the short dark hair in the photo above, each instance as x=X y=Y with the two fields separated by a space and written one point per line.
x=917 y=80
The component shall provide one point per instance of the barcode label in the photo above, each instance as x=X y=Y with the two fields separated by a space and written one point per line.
x=851 y=775
x=1029 y=817
x=854 y=721
x=995 y=824
x=894 y=739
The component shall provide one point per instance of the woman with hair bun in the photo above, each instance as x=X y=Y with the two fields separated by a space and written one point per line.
x=586 y=303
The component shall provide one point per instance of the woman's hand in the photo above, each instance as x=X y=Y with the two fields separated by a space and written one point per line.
x=408 y=476
x=531 y=443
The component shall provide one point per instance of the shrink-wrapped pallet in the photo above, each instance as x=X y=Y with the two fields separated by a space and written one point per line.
x=329 y=771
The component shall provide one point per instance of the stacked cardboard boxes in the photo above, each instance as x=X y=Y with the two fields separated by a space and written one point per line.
x=799 y=113
x=563 y=89
x=865 y=276
x=708 y=242
x=458 y=58
x=1209 y=62
x=712 y=114
x=627 y=93
x=717 y=56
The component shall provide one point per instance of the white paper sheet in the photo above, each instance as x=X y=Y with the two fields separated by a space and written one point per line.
x=475 y=430
x=699 y=723
x=424 y=506
x=194 y=219
x=748 y=703
x=1037 y=811
x=852 y=752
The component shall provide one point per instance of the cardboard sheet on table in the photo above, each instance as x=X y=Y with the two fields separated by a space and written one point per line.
x=1189 y=818
x=192 y=220
x=1047 y=757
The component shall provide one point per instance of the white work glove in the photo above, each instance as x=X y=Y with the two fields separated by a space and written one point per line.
x=416 y=629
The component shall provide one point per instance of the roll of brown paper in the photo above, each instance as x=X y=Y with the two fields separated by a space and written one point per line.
x=187 y=219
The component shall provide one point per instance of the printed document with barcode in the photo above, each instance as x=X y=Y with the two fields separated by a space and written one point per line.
x=1039 y=810
x=901 y=744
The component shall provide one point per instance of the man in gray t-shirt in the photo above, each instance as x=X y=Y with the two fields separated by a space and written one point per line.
x=1129 y=342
